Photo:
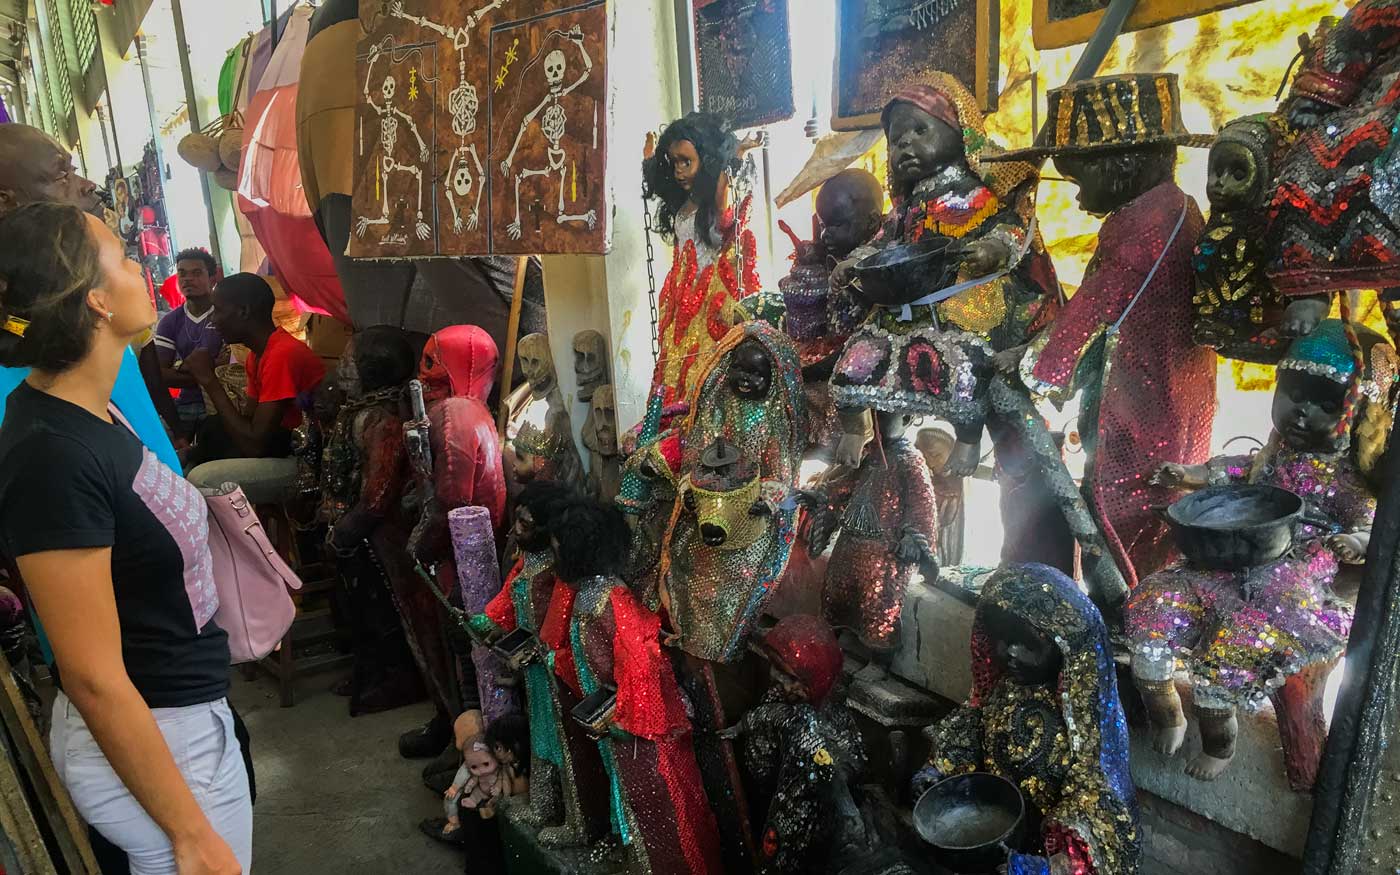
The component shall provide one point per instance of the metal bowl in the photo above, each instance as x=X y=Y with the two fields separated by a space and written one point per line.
x=1234 y=527
x=907 y=272
x=972 y=822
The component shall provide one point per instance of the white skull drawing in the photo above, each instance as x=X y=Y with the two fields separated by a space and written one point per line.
x=554 y=65
x=462 y=179
x=390 y=87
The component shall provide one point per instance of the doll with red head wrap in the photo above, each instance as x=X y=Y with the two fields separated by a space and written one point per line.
x=801 y=750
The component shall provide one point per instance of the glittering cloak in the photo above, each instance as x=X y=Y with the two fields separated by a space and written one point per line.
x=659 y=805
x=865 y=582
x=695 y=305
x=1067 y=747
x=1333 y=218
x=1149 y=391
x=936 y=359
x=716 y=594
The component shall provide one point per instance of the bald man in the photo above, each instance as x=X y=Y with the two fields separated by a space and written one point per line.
x=34 y=167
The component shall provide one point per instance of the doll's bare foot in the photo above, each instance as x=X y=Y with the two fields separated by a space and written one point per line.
x=1167 y=739
x=1302 y=316
x=963 y=460
x=1164 y=715
x=849 y=450
x=1218 y=732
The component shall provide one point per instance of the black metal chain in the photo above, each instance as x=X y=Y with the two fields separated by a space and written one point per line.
x=651 y=283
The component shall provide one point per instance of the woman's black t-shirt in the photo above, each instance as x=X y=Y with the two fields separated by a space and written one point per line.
x=70 y=481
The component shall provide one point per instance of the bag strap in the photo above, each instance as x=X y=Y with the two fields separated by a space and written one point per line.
x=1180 y=221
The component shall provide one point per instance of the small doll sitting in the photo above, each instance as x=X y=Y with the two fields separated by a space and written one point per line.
x=934 y=355
x=801 y=750
x=887 y=531
x=508 y=736
x=1236 y=309
x=1243 y=634
x=476 y=786
x=1044 y=712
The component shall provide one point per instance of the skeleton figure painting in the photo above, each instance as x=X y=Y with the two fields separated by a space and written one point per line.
x=480 y=128
x=547 y=133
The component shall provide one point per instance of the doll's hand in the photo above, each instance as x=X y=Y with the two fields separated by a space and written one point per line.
x=451 y=792
x=1302 y=316
x=1304 y=112
x=848 y=451
x=756 y=140
x=986 y=256
x=1171 y=475
x=1008 y=361
x=1350 y=547
x=841 y=274
x=912 y=547
x=729 y=734
x=923 y=779
x=649 y=148
x=964 y=460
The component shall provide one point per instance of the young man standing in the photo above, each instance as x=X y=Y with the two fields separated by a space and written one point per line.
x=282 y=373
x=187 y=328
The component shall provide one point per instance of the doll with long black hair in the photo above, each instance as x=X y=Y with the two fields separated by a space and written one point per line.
x=690 y=171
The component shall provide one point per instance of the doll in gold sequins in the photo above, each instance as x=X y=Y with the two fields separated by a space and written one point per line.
x=1237 y=310
x=887 y=531
x=1273 y=630
x=1044 y=712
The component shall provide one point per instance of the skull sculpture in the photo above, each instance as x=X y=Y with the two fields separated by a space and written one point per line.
x=537 y=362
x=554 y=66
x=602 y=412
x=590 y=362
x=390 y=88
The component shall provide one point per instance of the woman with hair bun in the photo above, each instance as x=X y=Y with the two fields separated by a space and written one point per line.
x=112 y=546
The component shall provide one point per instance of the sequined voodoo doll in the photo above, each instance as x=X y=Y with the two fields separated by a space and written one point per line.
x=1045 y=713
x=1273 y=630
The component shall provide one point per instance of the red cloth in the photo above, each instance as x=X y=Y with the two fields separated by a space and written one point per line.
x=501 y=609
x=930 y=100
x=807 y=649
x=287 y=369
x=648 y=698
x=554 y=632
x=1159 y=402
x=170 y=291
x=459 y=360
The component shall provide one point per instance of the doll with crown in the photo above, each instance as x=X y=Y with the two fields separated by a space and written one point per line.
x=1243 y=635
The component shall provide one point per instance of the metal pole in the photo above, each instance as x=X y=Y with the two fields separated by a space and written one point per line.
x=1110 y=26
x=196 y=125
x=155 y=128
x=685 y=56
x=272 y=6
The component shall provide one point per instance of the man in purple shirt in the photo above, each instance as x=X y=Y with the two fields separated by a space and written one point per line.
x=187 y=328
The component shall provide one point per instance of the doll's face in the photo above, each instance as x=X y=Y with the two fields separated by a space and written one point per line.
x=480 y=761
x=793 y=690
x=528 y=534
x=936 y=446
x=685 y=163
x=1026 y=656
x=1233 y=180
x=846 y=222
x=920 y=145
x=751 y=371
x=525 y=466
x=1307 y=409
x=503 y=754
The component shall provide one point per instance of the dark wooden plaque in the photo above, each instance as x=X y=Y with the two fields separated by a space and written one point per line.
x=466 y=106
x=744 y=55
x=882 y=45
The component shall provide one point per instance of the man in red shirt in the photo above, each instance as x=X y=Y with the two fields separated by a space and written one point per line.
x=282 y=374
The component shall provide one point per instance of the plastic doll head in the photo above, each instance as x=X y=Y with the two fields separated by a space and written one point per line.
x=481 y=762
x=1112 y=178
x=1024 y=654
x=921 y=143
x=936 y=444
x=850 y=206
x=1242 y=159
x=535 y=509
x=509 y=738
x=1315 y=379
x=691 y=156
x=751 y=370
x=1307 y=410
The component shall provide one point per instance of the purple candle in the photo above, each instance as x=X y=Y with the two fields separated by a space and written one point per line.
x=479 y=576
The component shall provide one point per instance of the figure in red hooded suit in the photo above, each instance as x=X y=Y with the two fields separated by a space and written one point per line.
x=457 y=371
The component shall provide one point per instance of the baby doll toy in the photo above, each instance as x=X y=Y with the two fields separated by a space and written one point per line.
x=1272 y=630
x=476 y=786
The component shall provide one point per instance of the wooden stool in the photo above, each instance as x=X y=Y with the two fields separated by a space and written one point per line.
x=311 y=625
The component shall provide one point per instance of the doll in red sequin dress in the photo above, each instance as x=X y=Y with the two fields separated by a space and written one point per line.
x=659 y=807
x=1275 y=629
x=1124 y=338
x=690 y=171
x=888 y=525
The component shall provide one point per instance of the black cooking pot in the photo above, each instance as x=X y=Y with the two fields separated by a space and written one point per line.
x=973 y=822
x=1230 y=528
x=907 y=272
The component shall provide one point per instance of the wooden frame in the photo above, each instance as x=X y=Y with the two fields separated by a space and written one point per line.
x=987 y=68
x=1050 y=34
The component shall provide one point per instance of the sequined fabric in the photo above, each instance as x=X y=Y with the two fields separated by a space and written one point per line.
x=1241 y=634
x=1332 y=218
x=865 y=582
x=659 y=804
x=805 y=290
x=521 y=604
x=1153 y=389
x=1066 y=747
x=938 y=361
x=794 y=754
x=694 y=307
x=716 y=594
x=479 y=581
